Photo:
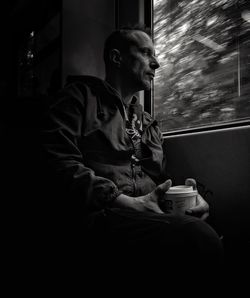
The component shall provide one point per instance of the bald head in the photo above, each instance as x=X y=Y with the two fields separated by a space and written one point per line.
x=121 y=40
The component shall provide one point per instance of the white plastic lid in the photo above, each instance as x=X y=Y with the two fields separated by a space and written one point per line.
x=179 y=189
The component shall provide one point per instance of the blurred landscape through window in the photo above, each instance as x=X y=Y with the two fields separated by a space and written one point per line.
x=203 y=48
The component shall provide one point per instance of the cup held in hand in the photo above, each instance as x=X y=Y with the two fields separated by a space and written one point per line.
x=178 y=199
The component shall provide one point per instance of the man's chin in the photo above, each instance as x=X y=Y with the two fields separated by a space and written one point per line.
x=146 y=85
x=143 y=85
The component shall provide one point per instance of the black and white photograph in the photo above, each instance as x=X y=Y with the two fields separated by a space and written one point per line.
x=125 y=146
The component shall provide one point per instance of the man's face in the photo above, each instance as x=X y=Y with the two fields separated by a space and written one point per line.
x=139 y=63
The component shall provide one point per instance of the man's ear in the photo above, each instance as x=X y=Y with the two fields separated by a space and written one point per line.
x=115 y=57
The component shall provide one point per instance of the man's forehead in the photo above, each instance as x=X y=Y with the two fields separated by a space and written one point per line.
x=141 y=39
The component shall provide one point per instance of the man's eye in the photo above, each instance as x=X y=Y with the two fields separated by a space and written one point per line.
x=146 y=52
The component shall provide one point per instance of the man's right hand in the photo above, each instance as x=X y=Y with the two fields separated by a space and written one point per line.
x=149 y=202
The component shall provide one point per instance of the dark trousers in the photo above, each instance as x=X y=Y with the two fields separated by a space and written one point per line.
x=139 y=243
x=128 y=249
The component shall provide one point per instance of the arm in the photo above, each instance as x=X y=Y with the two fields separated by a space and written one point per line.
x=61 y=134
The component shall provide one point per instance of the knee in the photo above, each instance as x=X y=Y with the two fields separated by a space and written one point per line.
x=203 y=242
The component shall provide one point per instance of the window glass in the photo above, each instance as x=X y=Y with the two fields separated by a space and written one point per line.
x=203 y=48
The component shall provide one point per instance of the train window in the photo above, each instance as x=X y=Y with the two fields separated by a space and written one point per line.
x=203 y=48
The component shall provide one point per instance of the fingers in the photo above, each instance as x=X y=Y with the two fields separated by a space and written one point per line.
x=198 y=212
x=201 y=210
x=150 y=203
x=205 y=216
x=191 y=182
x=201 y=205
x=162 y=188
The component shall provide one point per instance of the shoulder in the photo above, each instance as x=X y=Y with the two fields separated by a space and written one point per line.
x=80 y=88
x=86 y=82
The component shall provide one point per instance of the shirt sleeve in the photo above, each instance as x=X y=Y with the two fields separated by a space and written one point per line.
x=62 y=129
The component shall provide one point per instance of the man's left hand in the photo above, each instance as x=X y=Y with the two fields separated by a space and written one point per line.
x=201 y=209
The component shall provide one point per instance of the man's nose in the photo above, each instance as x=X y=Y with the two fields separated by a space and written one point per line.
x=154 y=64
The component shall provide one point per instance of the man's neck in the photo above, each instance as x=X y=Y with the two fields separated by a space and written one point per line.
x=125 y=93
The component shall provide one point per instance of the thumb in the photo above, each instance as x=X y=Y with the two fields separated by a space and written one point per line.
x=191 y=182
x=162 y=188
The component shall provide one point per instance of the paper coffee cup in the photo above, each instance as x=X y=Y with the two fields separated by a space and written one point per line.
x=178 y=199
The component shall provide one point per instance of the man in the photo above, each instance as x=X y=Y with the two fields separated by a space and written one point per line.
x=107 y=155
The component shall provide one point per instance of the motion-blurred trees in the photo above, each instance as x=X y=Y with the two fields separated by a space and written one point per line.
x=204 y=51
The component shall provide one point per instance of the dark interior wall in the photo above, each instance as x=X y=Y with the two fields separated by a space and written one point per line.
x=18 y=19
x=86 y=24
x=22 y=180
x=219 y=160
x=128 y=12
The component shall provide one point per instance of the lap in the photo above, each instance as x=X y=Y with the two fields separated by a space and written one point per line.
x=161 y=233
x=129 y=222
x=143 y=244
